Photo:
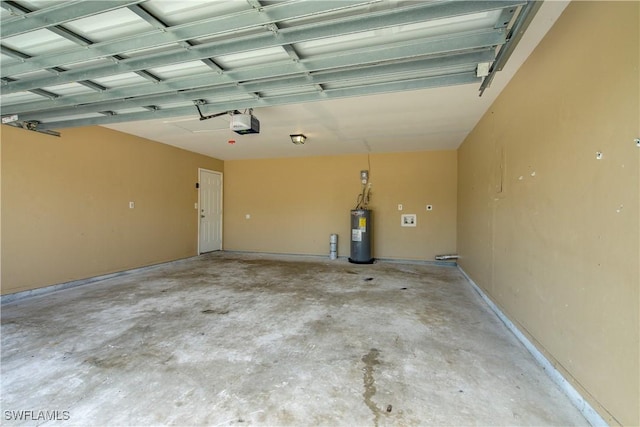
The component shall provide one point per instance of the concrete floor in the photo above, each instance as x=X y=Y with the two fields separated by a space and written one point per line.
x=237 y=339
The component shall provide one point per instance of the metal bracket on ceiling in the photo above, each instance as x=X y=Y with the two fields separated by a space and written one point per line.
x=32 y=125
x=200 y=102
x=272 y=27
x=524 y=18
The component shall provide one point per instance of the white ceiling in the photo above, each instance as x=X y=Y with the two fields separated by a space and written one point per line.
x=407 y=120
x=428 y=119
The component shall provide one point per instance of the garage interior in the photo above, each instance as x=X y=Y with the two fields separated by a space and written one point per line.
x=506 y=133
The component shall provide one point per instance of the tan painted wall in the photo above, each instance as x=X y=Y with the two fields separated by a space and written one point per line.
x=295 y=204
x=65 y=205
x=559 y=248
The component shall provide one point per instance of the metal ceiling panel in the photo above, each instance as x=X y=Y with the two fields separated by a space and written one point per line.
x=20 y=97
x=415 y=84
x=68 y=89
x=109 y=25
x=122 y=80
x=269 y=78
x=405 y=32
x=180 y=70
x=425 y=11
x=56 y=14
x=68 y=64
x=37 y=43
x=208 y=27
x=427 y=67
x=175 y=13
x=252 y=58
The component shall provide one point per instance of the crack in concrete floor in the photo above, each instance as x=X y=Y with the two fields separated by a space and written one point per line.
x=249 y=339
x=370 y=361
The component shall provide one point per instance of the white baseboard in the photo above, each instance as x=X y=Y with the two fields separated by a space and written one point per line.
x=576 y=399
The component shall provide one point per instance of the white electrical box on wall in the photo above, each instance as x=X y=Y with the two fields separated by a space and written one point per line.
x=408 y=220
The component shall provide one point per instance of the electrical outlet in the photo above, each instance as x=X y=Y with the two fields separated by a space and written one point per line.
x=247 y=216
x=408 y=220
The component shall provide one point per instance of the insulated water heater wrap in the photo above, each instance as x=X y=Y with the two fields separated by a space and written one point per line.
x=361 y=231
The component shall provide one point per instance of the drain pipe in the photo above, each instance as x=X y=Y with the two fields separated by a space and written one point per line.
x=446 y=257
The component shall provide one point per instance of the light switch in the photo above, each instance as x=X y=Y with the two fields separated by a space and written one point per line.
x=132 y=205
x=429 y=207
x=400 y=206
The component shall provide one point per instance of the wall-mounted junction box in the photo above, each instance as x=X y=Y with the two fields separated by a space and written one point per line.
x=408 y=220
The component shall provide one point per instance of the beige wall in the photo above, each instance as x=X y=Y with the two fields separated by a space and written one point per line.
x=295 y=204
x=550 y=232
x=65 y=204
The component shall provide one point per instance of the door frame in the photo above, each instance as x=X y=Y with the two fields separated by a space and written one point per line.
x=200 y=170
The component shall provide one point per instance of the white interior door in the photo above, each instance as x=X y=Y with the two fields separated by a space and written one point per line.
x=210 y=211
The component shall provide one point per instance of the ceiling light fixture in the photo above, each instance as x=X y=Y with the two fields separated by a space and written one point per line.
x=298 y=138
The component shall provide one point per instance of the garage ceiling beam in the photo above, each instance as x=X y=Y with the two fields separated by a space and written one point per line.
x=13 y=53
x=82 y=41
x=57 y=14
x=521 y=24
x=445 y=45
x=419 y=13
x=351 y=58
x=257 y=54
x=424 y=66
x=415 y=84
x=161 y=25
x=148 y=16
x=71 y=36
x=203 y=28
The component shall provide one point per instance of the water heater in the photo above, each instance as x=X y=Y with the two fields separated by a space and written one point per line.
x=361 y=234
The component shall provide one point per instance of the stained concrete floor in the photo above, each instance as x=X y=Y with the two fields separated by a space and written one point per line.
x=239 y=340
